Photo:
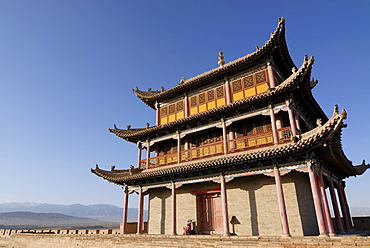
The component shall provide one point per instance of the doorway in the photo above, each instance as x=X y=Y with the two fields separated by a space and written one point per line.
x=211 y=213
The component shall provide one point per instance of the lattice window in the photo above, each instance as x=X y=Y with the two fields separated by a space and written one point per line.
x=202 y=98
x=260 y=77
x=220 y=92
x=248 y=82
x=171 y=109
x=193 y=101
x=249 y=129
x=259 y=127
x=237 y=85
x=268 y=127
x=210 y=95
x=180 y=106
x=163 y=111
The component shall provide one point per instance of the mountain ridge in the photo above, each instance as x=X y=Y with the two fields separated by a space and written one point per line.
x=101 y=212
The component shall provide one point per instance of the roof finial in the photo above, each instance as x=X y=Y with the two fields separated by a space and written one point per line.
x=221 y=61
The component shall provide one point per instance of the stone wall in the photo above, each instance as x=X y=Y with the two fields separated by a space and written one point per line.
x=252 y=201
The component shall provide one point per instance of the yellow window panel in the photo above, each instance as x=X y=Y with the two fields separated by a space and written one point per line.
x=250 y=92
x=251 y=142
x=219 y=148
x=206 y=151
x=202 y=107
x=221 y=102
x=262 y=88
x=194 y=111
x=211 y=105
x=238 y=96
x=164 y=120
x=194 y=154
x=180 y=115
x=161 y=160
x=171 y=117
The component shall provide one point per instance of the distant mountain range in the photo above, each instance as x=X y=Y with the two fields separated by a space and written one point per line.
x=101 y=212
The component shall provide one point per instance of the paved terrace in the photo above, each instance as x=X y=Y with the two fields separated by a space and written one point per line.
x=39 y=240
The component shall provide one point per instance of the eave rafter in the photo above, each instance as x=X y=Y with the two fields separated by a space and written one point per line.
x=308 y=141
x=277 y=41
x=298 y=77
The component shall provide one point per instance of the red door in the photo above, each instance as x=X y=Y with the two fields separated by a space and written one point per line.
x=211 y=213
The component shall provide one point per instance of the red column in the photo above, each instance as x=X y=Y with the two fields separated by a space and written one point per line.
x=225 y=212
x=291 y=119
x=317 y=202
x=140 y=211
x=178 y=148
x=224 y=136
x=139 y=155
x=157 y=113
x=325 y=204
x=271 y=75
x=174 y=223
x=342 y=201
x=186 y=103
x=282 y=207
x=148 y=155
x=228 y=93
x=125 y=208
x=334 y=202
x=347 y=207
x=273 y=126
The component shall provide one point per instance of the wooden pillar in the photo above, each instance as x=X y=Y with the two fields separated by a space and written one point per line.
x=140 y=212
x=125 y=209
x=343 y=207
x=139 y=154
x=291 y=119
x=228 y=92
x=157 y=113
x=178 y=147
x=334 y=202
x=224 y=136
x=186 y=105
x=282 y=207
x=273 y=125
x=347 y=207
x=317 y=202
x=174 y=222
x=325 y=205
x=270 y=73
x=225 y=211
x=147 y=154
x=296 y=118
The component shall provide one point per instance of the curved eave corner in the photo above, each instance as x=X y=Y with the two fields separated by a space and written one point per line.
x=311 y=139
x=277 y=40
x=132 y=135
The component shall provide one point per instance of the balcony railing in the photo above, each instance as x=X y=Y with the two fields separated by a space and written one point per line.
x=284 y=134
x=251 y=141
x=235 y=145
x=203 y=151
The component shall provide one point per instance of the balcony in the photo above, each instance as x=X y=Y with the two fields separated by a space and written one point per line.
x=215 y=149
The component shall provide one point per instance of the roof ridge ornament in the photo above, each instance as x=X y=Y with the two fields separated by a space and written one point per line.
x=221 y=61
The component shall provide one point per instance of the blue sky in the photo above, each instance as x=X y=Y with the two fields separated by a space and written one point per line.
x=68 y=67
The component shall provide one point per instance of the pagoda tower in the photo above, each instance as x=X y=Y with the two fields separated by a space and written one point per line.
x=241 y=149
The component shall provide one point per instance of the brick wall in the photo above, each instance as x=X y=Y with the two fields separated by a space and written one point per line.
x=251 y=200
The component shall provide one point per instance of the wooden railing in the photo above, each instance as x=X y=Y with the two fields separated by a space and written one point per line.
x=284 y=134
x=203 y=151
x=235 y=145
x=251 y=141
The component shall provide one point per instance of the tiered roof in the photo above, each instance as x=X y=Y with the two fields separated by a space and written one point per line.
x=298 y=78
x=324 y=139
x=275 y=46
